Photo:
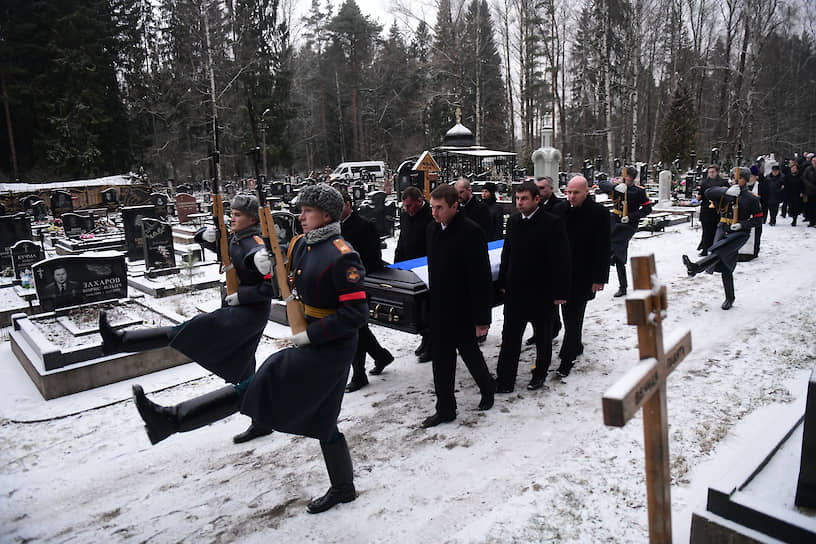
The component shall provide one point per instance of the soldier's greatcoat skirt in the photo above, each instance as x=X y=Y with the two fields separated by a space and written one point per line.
x=224 y=341
x=300 y=390
x=726 y=246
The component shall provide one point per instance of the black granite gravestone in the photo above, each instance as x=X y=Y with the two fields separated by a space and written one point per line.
x=276 y=188
x=132 y=220
x=158 y=244
x=73 y=280
x=110 y=199
x=23 y=256
x=357 y=193
x=185 y=205
x=160 y=200
x=13 y=228
x=61 y=202
x=38 y=210
x=806 y=488
x=72 y=224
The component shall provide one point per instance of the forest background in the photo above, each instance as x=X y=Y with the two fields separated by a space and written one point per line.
x=98 y=87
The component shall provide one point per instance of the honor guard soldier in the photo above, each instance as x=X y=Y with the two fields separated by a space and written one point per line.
x=631 y=204
x=297 y=390
x=223 y=341
x=709 y=218
x=739 y=211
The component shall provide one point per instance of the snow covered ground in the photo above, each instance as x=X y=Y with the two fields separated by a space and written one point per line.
x=540 y=466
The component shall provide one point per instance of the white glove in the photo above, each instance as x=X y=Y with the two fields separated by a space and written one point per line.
x=621 y=188
x=625 y=219
x=300 y=339
x=733 y=190
x=209 y=234
x=736 y=226
x=263 y=261
x=232 y=300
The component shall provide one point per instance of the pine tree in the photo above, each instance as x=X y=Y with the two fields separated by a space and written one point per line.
x=679 y=128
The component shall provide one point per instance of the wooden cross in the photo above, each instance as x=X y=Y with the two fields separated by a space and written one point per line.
x=644 y=385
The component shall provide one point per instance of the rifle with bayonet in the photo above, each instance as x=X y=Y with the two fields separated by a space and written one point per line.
x=294 y=311
x=221 y=237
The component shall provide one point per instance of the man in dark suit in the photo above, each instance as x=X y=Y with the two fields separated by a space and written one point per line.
x=587 y=224
x=362 y=235
x=534 y=274
x=473 y=208
x=62 y=291
x=414 y=221
x=460 y=283
x=548 y=203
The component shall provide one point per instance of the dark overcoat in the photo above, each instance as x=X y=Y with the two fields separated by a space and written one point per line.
x=727 y=243
x=638 y=206
x=476 y=210
x=588 y=232
x=459 y=277
x=412 y=238
x=496 y=219
x=708 y=213
x=224 y=341
x=300 y=390
x=535 y=263
x=364 y=239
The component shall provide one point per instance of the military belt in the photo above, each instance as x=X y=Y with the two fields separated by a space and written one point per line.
x=318 y=313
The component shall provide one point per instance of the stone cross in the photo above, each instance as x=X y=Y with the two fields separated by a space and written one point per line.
x=644 y=386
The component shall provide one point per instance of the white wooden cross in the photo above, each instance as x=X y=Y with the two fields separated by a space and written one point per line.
x=644 y=385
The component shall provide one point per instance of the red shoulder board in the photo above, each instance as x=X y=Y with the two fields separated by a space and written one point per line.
x=259 y=240
x=342 y=246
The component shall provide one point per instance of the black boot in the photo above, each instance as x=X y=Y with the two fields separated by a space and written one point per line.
x=728 y=286
x=114 y=341
x=255 y=430
x=695 y=268
x=341 y=475
x=162 y=421
x=422 y=345
x=621 y=268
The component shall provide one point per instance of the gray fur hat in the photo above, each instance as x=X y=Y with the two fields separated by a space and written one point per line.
x=245 y=203
x=324 y=197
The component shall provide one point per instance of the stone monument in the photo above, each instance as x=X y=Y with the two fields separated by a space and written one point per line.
x=546 y=162
x=664 y=189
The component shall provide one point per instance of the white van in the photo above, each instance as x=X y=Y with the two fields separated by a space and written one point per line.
x=354 y=170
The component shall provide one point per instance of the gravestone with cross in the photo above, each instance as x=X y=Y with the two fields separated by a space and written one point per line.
x=644 y=385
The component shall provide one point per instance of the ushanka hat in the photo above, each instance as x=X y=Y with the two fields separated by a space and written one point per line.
x=245 y=203
x=324 y=197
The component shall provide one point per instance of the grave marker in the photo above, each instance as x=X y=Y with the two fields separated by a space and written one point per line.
x=13 y=228
x=110 y=198
x=160 y=201
x=23 y=256
x=185 y=205
x=644 y=386
x=132 y=219
x=134 y=196
x=158 y=244
x=61 y=202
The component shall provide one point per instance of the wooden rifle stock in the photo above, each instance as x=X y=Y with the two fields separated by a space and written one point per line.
x=294 y=311
x=223 y=237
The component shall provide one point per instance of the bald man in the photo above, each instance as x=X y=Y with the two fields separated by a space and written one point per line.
x=473 y=208
x=588 y=227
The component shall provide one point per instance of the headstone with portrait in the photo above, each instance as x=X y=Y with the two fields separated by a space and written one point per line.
x=158 y=245
x=132 y=221
x=74 y=280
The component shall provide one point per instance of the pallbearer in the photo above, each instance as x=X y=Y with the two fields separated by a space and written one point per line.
x=631 y=204
x=298 y=390
x=223 y=341
x=739 y=211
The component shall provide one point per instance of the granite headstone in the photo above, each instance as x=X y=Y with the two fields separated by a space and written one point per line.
x=13 y=228
x=132 y=220
x=158 y=244
x=23 y=256
x=72 y=280
x=160 y=201
x=185 y=205
x=61 y=202
x=110 y=198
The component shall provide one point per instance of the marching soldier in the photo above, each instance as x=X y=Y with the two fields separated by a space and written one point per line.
x=739 y=211
x=708 y=211
x=631 y=204
x=223 y=341
x=297 y=390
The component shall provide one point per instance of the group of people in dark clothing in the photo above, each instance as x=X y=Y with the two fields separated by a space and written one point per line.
x=555 y=257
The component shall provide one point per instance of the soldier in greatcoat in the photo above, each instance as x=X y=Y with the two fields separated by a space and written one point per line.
x=739 y=211
x=223 y=341
x=631 y=204
x=298 y=390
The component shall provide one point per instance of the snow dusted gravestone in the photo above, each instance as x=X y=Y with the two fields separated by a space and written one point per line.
x=72 y=280
x=644 y=386
x=23 y=256
x=132 y=220
x=13 y=228
x=159 y=252
x=185 y=205
x=61 y=202
x=664 y=187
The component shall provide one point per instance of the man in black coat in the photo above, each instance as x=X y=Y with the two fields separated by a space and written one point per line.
x=496 y=212
x=414 y=221
x=362 y=235
x=473 y=208
x=533 y=276
x=794 y=192
x=708 y=213
x=774 y=192
x=460 y=282
x=587 y=224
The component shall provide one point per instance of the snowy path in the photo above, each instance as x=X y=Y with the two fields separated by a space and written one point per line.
x=540 y=466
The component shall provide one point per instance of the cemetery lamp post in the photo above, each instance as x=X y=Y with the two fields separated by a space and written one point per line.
x=263 y=143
